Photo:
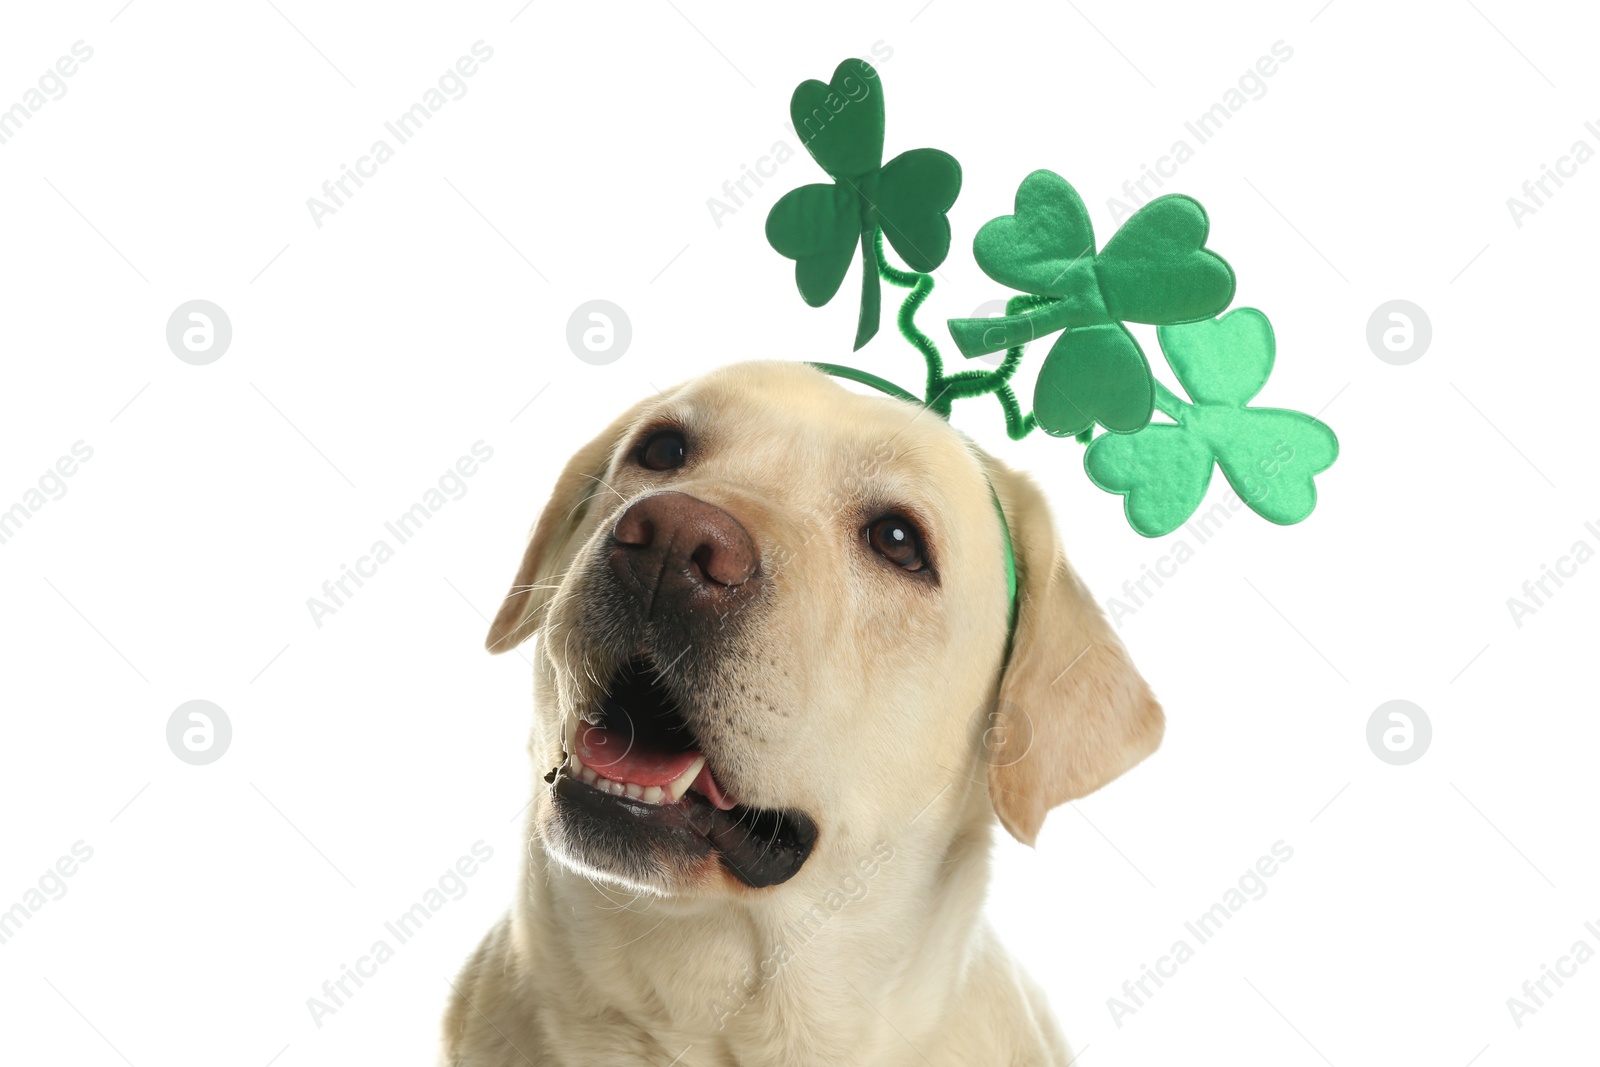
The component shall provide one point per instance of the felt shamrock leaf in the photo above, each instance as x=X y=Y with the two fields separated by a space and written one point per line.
x=1268 y=455
x=1155 y=269
x=821 y=226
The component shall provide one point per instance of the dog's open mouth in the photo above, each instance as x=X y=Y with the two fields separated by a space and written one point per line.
x=639 y=768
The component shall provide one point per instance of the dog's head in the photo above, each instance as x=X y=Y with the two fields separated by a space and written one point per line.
x=773 y=621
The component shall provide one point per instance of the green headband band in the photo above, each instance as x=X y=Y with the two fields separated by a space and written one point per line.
x=1155 y=270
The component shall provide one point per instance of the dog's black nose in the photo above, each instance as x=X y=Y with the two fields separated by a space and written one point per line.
x=680 y=553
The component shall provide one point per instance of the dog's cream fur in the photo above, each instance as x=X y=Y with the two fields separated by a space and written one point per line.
x=875 y=703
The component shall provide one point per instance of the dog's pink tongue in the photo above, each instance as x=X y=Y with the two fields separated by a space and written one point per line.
x=707 y=787
x=612 y=754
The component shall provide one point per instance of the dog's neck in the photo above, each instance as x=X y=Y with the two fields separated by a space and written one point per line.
x=812 y=973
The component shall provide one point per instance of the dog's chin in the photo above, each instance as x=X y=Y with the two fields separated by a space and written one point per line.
x=682 y=849
x=623 y=849
x=636 y=802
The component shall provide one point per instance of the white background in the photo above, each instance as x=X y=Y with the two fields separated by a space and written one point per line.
x=425 y=315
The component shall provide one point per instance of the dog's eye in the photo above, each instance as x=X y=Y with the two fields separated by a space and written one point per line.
x=895 y=539
x=664 y=450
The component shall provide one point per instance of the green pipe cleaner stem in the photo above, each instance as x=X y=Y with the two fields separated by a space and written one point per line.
x=943 y=390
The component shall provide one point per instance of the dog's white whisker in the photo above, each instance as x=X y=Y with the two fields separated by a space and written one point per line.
x=579 y=505
x=608 y=485
x=534 y=585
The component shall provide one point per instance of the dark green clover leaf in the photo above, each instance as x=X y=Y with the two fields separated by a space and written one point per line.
x=1269 y=455
x=1155 y=269
x=820 y=227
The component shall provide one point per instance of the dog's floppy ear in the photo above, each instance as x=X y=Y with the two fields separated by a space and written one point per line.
x=550 y=542
x=1073 y=712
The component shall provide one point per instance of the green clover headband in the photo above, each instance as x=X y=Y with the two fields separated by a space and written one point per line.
x=1155 y=270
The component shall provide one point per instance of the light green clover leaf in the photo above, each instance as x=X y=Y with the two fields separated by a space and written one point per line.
x=1269 y=456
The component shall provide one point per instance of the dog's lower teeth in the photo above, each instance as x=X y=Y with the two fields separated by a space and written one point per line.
x=582 y=773
x=652 y=794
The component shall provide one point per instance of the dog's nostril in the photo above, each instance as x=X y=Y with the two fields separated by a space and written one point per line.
x=706 y=558
x=634 y=529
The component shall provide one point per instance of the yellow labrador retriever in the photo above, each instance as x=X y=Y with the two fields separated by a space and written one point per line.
x=776 y=719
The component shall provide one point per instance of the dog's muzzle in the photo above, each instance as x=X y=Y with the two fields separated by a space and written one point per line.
x=636 y=784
